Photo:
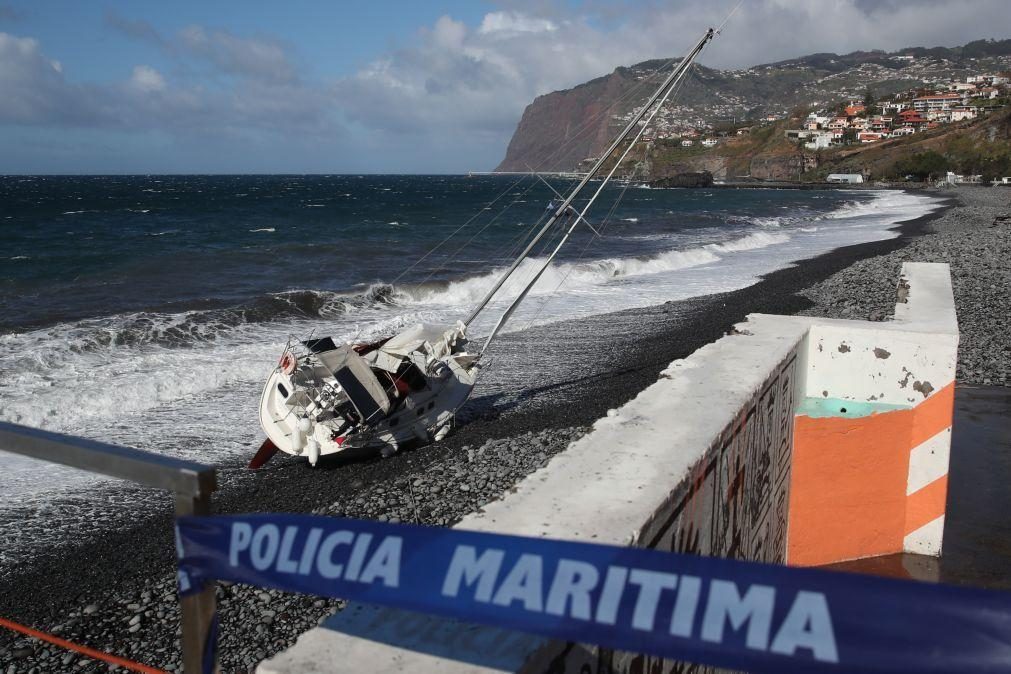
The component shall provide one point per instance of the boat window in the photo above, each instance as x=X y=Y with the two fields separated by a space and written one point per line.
x=283 y=391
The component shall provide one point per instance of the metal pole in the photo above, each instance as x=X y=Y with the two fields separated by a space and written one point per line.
x=191 y=483
x=675 y=74
x=197 y=610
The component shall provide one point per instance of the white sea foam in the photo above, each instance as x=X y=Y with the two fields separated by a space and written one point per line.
x=187 y=383
x=264 y=229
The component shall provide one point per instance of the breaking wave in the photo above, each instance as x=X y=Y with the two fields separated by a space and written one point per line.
x=582 y=274
x=188 y=328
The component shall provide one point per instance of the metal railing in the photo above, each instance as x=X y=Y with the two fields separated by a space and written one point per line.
x=191 y=482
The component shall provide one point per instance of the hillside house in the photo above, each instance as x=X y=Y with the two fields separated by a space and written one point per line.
x=880 y=124
x=819 y=141
x=924 y=104
x=709 y=142
x=911 y=118
x=894 y=107
x=962 y=87
x=686 y=142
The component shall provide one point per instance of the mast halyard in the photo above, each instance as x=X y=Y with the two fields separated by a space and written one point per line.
x=661 y=95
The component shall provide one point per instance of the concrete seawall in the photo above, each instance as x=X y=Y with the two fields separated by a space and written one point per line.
x=792 y=440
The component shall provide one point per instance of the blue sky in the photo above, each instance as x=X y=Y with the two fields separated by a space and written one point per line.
x=383 y=86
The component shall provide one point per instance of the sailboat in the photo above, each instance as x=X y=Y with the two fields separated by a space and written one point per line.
x=323 y=397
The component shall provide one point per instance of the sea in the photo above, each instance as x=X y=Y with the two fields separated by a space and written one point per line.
x=148 y=310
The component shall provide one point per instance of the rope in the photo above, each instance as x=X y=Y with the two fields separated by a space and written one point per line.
x=579 y=131
x=84 y=650
x=732 y=12
x=614 y=207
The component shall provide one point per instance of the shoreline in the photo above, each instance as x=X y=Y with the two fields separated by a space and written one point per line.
x=508 y=434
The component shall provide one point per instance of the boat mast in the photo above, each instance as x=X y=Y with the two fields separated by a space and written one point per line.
x=662 y=92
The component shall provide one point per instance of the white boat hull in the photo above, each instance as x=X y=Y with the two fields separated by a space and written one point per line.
x=315 y=420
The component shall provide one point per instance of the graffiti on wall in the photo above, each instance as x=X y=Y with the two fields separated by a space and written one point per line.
x=732 y=504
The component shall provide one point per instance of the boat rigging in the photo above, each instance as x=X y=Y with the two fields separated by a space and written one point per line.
x=323 y=397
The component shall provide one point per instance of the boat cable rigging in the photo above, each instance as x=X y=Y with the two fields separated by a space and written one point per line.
x=661 y=96
x=586 y=126
x=326 y=397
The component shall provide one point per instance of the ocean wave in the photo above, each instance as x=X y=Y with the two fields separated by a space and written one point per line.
x=749 y=242
x=189 y=327
x=264 y=229
x=581 y=274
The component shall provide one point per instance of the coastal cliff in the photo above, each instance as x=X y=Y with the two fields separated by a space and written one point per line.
x=561 y=130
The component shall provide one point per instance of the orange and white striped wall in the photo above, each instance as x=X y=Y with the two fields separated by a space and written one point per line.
x=872 y=431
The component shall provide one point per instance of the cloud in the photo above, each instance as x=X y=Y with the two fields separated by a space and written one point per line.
x=8 y=13
x=261 y=58
x=258 y=58
x=147 y=79
x=449 y=97
x=455 y=81
x=37 y=93
x=135 y=28
x=514 y=22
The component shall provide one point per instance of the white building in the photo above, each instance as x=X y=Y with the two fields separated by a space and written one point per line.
x=963 y=113
x=956 y=179
x=710 y=142
x=687 y=143
x=819 y=141
x=925 y=104
x=894 y=107
x=851 y=178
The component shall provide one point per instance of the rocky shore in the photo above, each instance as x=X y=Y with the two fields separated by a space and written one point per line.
x=112 y=587
x=978 y=248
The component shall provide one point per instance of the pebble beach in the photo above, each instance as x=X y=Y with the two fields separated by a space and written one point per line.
x=114 y=589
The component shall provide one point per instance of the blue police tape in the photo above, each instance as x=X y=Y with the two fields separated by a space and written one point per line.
x=727 y=613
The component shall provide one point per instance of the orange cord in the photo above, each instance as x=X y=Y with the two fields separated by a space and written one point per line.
x=90 y=652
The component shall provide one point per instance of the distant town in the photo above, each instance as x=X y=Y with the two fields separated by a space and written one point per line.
x=853 y=121
x=870 y=120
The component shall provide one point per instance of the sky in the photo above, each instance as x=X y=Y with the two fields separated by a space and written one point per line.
x=386 y=86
